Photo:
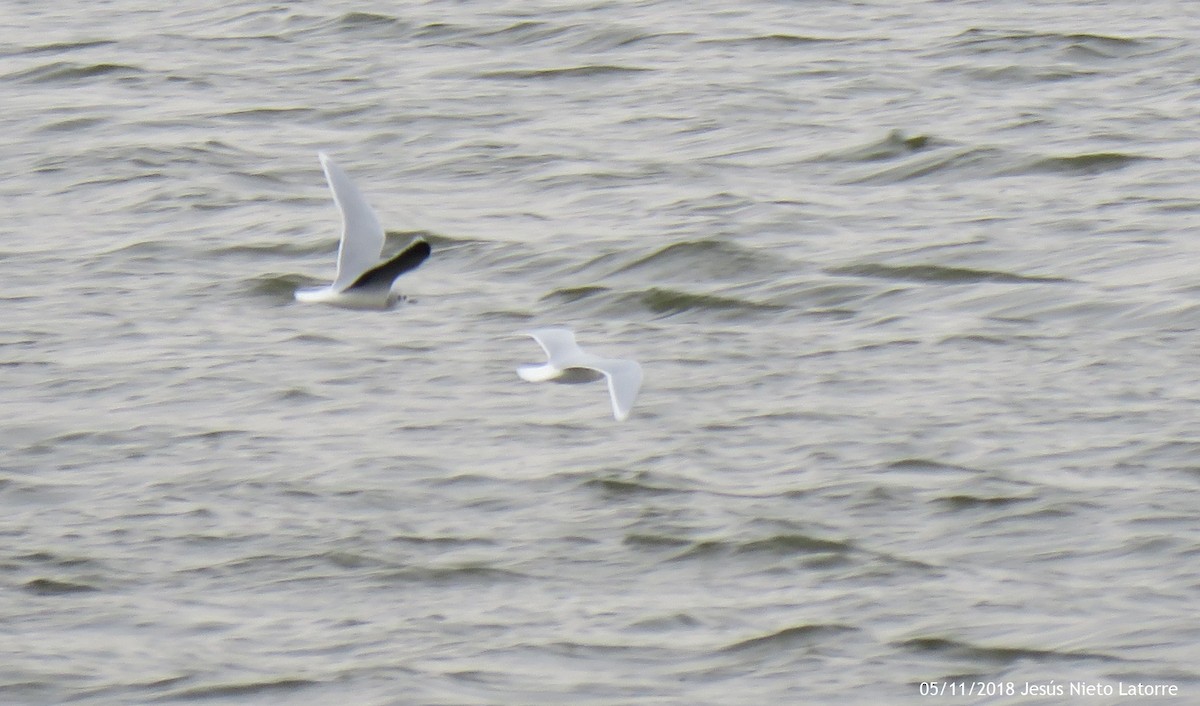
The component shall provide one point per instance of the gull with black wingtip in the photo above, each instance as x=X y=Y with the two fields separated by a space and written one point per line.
x=363 y=280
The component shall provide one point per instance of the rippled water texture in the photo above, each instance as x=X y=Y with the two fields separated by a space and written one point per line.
x=914 y=285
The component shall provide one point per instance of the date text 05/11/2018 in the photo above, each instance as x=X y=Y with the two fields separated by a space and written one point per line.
x=1051 y=688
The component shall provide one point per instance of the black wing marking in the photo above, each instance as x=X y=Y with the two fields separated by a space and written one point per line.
x=385 y=273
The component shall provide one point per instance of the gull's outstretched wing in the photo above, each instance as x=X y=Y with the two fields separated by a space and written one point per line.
x=624 y=382
x=362 y=235
x=559 y=345
x=385 y=273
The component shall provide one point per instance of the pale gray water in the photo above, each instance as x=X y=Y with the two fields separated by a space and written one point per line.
x=916 y=287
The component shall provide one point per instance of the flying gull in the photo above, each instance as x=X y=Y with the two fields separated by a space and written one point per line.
x=568 y=363
x=363 y=281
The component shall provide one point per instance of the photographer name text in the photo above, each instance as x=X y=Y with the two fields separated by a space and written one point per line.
x=1050 y=688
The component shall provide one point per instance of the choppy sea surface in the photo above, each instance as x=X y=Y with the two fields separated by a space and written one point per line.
x=915 y=285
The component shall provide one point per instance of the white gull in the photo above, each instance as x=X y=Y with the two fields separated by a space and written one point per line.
x=363 y=281
x=568 y=363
